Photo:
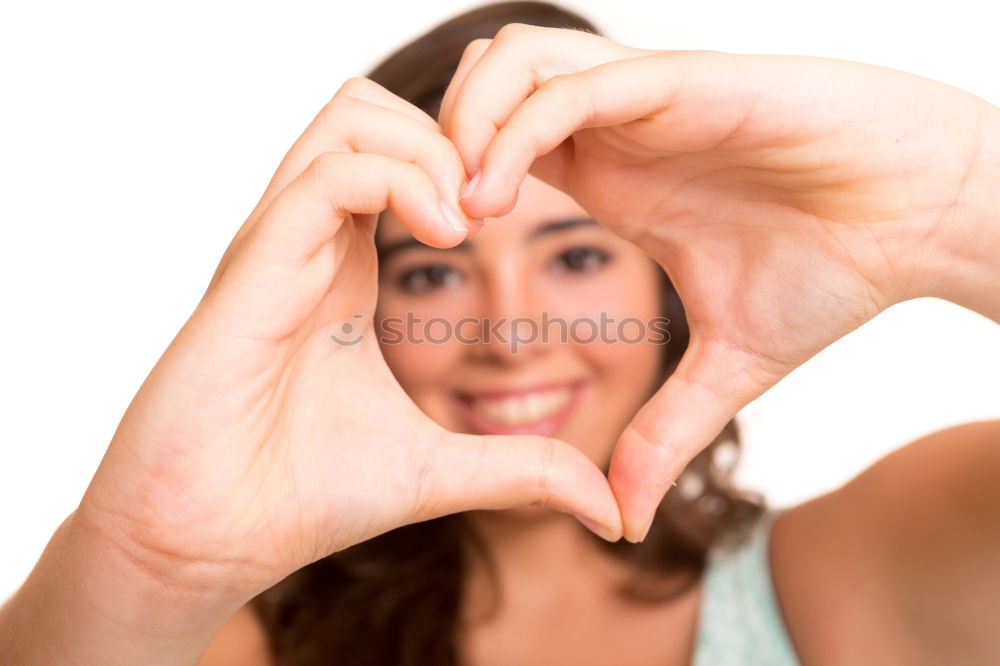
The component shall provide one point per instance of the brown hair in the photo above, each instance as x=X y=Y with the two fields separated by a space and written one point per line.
x=396 y=599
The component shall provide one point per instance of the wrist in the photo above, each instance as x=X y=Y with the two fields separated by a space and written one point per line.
x=86 y=602
x=962 y=261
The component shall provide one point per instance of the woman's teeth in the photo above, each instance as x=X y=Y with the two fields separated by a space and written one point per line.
x=523 y=408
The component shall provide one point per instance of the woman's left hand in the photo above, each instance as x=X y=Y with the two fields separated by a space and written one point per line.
x=790 y=199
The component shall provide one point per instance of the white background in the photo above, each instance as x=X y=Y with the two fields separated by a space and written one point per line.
x=135 y=138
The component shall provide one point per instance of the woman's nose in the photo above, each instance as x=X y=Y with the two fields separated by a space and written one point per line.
x=511 y=323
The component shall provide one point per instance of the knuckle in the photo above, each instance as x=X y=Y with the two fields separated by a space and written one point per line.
x=544 y=479
x=443 y=148
x=339 y=106
x=355 y=94
x=565 y=92
x=325 y=166
x=426 y=498
x=656 y=440
x=355 y=86
x=561 y=85
x=475 y=47
x=513 y=31
x=422 y=502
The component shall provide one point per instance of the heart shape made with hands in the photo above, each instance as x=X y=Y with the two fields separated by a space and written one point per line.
x=785 y=214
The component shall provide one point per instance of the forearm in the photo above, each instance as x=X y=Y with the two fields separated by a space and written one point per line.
x=86 y=604
x=964 y=266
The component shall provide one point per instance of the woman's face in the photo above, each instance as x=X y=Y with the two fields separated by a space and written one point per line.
x=463 y=328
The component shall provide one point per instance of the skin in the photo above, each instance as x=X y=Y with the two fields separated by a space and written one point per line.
x=787 y=223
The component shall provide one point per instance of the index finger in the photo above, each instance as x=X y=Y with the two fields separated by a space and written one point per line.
x=669 y=90
x=495 y=77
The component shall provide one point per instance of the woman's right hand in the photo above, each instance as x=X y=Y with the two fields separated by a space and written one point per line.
x=258 y=444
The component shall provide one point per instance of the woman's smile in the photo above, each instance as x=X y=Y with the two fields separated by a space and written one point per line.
x=539 y=410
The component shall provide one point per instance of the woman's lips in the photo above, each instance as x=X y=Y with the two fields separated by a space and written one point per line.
x=537 y=411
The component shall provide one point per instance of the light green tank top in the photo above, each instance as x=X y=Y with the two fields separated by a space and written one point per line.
x=739 y=622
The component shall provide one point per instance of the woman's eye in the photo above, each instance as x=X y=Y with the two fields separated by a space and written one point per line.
x=581 y=259
x=422 y=279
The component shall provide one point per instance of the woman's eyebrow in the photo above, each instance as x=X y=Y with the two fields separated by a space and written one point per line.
x=392 y=247
x=562 y=225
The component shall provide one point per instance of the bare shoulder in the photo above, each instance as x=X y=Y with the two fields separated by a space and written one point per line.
x=899 y=565
x=242 y=641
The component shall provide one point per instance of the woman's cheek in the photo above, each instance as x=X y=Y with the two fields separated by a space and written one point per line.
x=611 y=315
x=418 y=342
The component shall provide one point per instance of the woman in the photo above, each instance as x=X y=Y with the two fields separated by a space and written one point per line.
x=785 y=213
x=546 y=256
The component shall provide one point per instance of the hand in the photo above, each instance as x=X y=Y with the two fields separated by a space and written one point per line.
x=257 y=444
x=790 y=200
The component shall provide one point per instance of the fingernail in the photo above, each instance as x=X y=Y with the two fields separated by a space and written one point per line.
x=470 y=187
x=596 y=528
x=454 y=219
x=645 y=533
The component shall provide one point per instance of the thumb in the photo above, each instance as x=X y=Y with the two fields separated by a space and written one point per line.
x=504 y=471
x=713 y=381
